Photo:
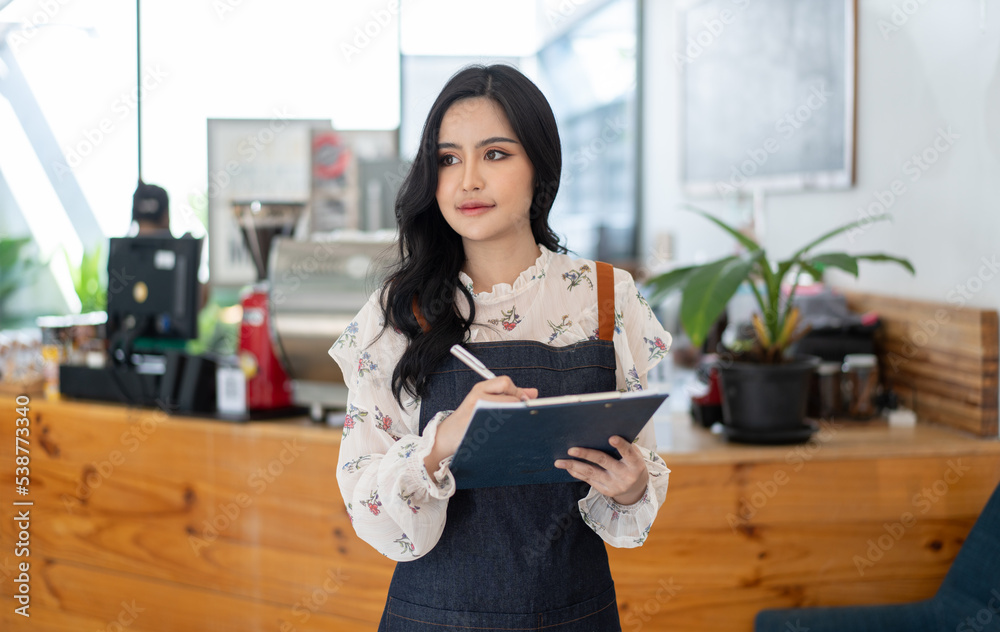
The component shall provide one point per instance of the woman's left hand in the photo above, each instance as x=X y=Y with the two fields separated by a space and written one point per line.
x=624 y=481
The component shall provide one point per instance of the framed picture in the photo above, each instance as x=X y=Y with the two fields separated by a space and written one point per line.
x=299 y=169
x=767 y=95
x=353 y=173
x=252 y=160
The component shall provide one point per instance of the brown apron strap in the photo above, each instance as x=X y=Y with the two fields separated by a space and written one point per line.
x=605 y=300
x=419 y=316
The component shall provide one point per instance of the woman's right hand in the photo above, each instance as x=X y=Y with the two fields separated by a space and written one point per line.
x=452 y=428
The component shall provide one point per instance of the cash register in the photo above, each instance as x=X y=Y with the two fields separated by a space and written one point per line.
x=152 y=306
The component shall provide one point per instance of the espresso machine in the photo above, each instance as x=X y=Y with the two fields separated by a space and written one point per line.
x=317 y=287
x=268 y=387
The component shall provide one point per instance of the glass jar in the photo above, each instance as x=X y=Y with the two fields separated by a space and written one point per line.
x=859 y=385
x=824 y=391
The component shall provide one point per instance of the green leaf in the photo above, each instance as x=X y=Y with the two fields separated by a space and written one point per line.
x=709 y=289
x=814 y=272
x=888 y=258
x=16 y=271
x=74 y=271
x=784 y=267
x=10 y=251
x=88 y=279
x=842 y=260
x=662 y=284
x=836 y=231
x=750 y=244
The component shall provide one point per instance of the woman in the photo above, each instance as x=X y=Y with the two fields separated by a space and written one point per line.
x=479 y=265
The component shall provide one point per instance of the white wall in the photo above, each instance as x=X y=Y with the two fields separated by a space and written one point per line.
x=938 y=71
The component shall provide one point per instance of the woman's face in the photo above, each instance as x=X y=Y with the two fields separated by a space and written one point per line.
x=484 y=176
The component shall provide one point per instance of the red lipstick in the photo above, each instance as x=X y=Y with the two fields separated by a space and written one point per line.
x=474 y=207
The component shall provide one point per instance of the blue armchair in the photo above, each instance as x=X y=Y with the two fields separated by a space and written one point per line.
x=967 y=601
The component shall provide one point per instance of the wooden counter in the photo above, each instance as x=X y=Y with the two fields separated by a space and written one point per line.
x=170 y=523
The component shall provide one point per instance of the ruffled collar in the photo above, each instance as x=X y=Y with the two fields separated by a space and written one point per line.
x=524 y=280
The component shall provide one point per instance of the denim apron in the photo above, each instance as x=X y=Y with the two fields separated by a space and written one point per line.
x=518 y=557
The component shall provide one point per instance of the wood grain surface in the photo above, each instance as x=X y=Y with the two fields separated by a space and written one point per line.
x=143 y=521
x=940 y=358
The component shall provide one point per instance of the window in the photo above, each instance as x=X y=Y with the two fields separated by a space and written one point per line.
x=583 y=57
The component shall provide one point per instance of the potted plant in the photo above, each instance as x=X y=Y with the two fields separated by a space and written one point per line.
x=16 y=272
x=88 y=280
x=764 y=389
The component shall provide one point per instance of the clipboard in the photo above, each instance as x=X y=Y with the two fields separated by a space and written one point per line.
x=516 y=443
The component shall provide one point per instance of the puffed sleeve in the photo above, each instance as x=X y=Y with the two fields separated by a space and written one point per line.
x=394 y=504
x=640 y=343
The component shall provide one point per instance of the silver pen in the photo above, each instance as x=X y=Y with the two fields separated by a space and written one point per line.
x=471 y=361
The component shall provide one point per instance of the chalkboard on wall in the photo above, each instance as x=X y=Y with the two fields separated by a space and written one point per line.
x=767 y=94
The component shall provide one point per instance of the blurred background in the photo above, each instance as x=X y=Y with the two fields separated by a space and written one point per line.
x=782 y=121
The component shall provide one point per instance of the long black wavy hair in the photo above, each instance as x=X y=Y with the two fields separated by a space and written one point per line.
x=431 y=254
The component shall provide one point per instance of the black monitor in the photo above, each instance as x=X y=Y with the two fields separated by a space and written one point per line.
x=153 y=288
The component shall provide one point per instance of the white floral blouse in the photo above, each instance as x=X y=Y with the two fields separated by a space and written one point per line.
x=394 y=504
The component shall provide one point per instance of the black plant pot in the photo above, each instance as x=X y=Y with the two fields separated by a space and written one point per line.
x=767 y=400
